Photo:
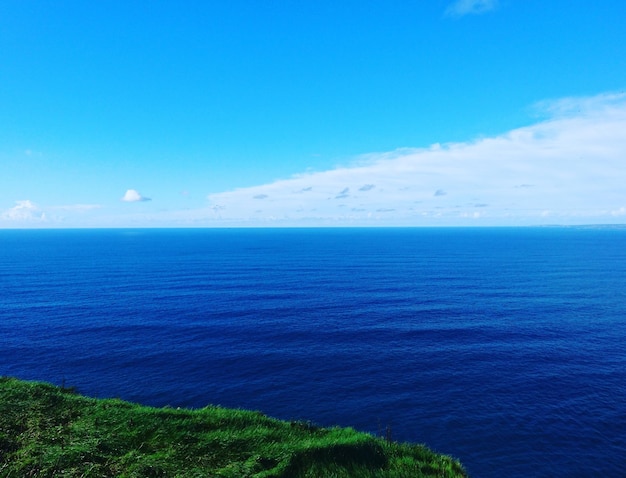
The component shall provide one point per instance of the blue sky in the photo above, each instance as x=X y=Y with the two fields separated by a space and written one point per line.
x=248 y=113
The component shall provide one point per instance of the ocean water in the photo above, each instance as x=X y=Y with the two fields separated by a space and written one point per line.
x=505 y=348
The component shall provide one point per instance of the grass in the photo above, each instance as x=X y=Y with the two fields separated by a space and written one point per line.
x=52 y=431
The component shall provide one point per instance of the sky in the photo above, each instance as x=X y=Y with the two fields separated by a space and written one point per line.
x=244 y=113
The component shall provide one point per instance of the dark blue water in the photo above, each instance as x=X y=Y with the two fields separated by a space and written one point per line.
x=502 y=347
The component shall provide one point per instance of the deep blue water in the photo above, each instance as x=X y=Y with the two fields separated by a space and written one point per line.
x=502 y=347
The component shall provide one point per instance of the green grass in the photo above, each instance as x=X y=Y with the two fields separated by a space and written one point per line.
x=52 y=431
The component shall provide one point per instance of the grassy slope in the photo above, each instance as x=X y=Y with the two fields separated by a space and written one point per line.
x=51 y=431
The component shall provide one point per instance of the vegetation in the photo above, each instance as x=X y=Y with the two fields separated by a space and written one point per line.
x=53 y=431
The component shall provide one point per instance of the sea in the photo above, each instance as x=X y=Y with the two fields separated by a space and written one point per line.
x=502 y=347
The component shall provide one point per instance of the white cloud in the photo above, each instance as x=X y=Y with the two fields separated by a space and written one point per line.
x=570 y=164
x=24 y=211
x=619 y=212
x=133 y=195
x=470 y=7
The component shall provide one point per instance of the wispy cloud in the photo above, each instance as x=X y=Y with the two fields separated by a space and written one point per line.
x=24 y=211
x=566 y=168
x=345 y=192
x=470 y=7
x=619 y=212
x=570 y=164
x=133 y=195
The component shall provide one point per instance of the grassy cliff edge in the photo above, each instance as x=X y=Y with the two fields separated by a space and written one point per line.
x=52 y=431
